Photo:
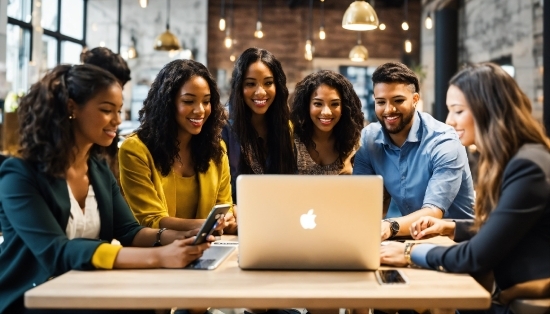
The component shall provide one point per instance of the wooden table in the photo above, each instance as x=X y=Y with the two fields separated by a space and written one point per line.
x=230 y=287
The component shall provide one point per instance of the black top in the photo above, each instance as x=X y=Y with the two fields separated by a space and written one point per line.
x=514 y=242
x=34 y=212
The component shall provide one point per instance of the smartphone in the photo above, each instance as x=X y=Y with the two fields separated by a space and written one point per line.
x=217 y=212
x=390 y=277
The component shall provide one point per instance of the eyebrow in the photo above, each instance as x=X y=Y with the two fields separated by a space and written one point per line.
x=335 y=99
x=189 y=94
x=455 y=105
x=265 y=78
x=112 y=104
x=398 y=96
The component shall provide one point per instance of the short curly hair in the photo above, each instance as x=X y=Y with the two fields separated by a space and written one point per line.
x=395 y=72
x=159 y=128
x=108 y=60
x=46 y=132
x=347 y=131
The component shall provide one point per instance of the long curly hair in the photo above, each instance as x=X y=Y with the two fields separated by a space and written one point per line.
x=159 y=129
x=46 y=132
x=503 y=123
x=347 y=131
x=279 y=133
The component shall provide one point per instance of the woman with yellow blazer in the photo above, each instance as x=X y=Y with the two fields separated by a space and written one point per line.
x=174 y=169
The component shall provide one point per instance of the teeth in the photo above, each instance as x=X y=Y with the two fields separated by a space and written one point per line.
x=260 y=102
x=196 y=120
x=325 y=120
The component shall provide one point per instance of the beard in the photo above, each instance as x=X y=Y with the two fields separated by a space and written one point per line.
x=405 y=120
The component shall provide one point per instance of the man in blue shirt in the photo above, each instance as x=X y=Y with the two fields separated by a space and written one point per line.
x=423 y=163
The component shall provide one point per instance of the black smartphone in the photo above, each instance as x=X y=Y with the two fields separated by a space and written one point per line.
x=217 y=212
x=390 y=277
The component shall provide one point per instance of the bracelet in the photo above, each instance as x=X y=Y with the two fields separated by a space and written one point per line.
x=157 y=243
x=408 y=250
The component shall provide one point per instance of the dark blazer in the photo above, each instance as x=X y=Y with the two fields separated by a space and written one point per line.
x=514 y=242
x=34 y=212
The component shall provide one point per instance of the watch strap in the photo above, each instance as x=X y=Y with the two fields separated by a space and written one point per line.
x=157 y=243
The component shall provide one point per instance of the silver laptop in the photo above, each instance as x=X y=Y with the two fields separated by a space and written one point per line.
x=309 y=222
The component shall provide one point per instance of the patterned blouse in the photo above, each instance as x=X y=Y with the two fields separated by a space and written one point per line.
x=306 y=165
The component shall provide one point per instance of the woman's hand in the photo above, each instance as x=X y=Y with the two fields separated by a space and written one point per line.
x=231 y=221
x=393 y=253
x=180 y=253
x=428 y=227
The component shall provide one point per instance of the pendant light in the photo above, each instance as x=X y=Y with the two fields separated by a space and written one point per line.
x=360 y=16
x=132 y=52
x=258 y=33
x=428 y=22
x=143 y=3
x=228 y=41
x=222 y=18
x=322 y=34
x=408 y=46
x=308 y=55
x=405 y=24
x=359 y=53
x=167 y=41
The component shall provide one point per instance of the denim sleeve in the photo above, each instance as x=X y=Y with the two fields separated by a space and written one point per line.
x=448 y=160
x=362 y=164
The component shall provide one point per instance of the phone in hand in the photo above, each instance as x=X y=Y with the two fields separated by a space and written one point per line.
x=217 y=212
x=390 y=277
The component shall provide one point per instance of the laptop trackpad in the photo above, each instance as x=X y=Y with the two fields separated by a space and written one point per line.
x=212 y=257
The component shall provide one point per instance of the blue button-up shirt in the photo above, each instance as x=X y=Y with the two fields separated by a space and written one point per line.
x=430 y=168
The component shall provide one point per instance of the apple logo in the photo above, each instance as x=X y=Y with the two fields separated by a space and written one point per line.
x=308 y=220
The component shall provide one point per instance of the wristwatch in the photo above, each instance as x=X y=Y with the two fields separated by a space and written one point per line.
x=394 y=227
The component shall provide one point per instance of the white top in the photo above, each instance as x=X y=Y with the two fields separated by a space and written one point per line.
x=83 y=223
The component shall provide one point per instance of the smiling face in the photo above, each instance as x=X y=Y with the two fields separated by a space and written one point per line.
x=395 y=106
x=97 y=120
x=325 y=108
x=193 y=105
x=460 y=116
x=258 y=88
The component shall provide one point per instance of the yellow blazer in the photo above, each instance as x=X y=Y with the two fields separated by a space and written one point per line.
x=153 y=197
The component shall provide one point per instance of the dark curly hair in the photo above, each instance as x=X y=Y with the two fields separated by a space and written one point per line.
x=279 y=134
x=108 y=60
x=159 y=129
x=347 y=131
x=395 y=72
x=46 y=133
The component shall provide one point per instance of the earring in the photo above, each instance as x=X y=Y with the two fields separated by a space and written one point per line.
x=71 y=117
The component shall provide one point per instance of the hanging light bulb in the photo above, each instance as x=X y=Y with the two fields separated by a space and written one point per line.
x=359 y=53
x=227 y=41
x=405 y=26
x=258 y=33
x=232 y=57
x=429 y=22
x=143 y=3
x=382 y=26
x=408 y=46
x=309 y=50
x=222 y=18
x=308 y=45
x=322 y=34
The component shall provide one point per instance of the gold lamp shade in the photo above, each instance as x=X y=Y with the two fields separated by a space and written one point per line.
x=360 y=16
x=359 y=53
x=167 y=41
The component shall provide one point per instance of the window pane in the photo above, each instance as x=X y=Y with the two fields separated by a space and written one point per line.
x=49 y=15
x=17 y=57
x=20 y=10
x=72 y=18
x=49 y=53
x=70 y=52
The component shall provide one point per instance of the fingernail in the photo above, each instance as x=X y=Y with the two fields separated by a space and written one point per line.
x=415 y=233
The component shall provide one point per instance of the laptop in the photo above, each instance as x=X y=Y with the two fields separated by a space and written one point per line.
x=309 y=222
x=213 y=256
